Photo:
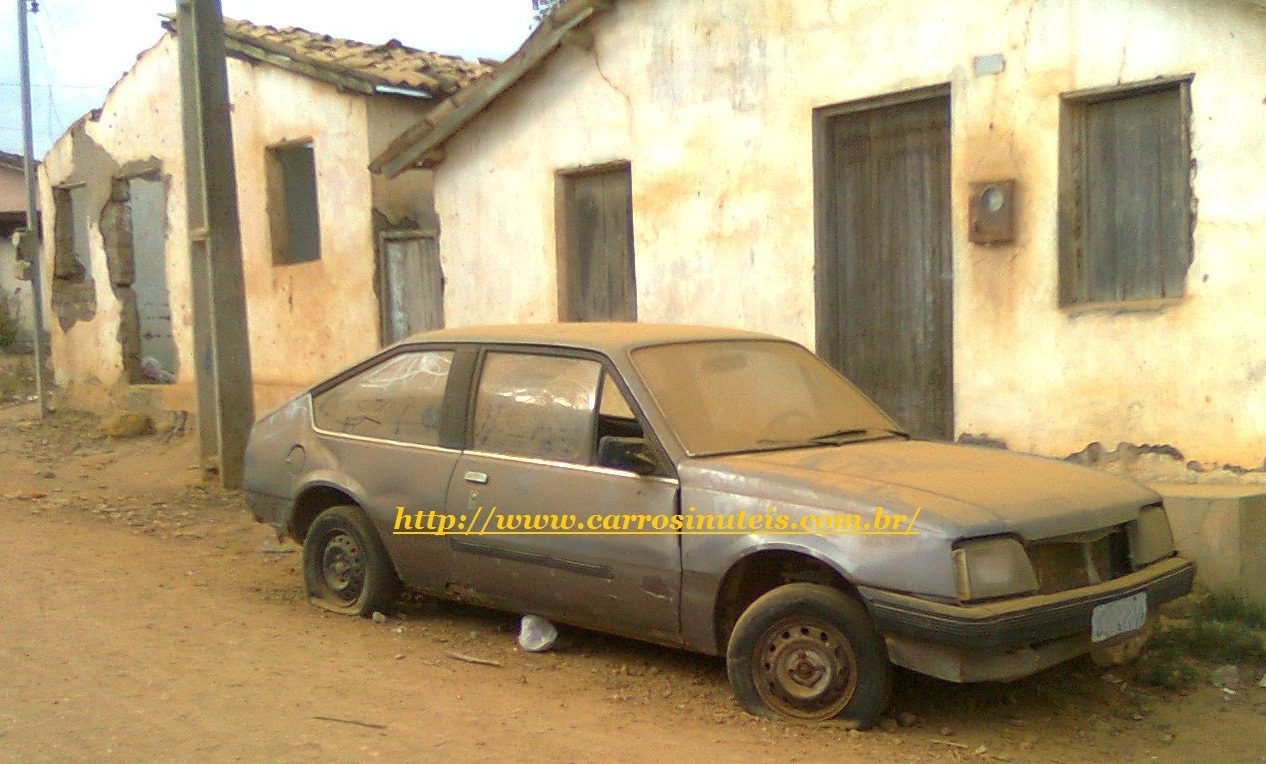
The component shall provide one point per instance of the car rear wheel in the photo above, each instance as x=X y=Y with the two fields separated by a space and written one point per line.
x=809 y=652
x=345 y=566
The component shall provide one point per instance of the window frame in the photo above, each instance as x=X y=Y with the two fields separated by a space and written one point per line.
x=667 y=469
x=1073 y=288
x=279 y=210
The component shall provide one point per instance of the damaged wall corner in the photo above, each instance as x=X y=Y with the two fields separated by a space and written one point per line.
x=87 y=187
x=116 y=236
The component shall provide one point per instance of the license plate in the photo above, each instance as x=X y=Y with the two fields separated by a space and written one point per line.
x=1118 y=617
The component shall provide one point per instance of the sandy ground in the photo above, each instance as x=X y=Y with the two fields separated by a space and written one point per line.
x=145 y=617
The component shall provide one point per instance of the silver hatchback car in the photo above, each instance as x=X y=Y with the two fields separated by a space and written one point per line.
x=716 y=490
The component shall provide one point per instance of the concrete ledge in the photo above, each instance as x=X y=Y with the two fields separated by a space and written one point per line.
x=1222 y=528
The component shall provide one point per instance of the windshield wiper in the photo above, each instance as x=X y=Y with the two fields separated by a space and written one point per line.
x=832 y=435
x=831 y=438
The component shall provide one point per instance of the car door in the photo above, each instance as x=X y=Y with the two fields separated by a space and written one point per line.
x=384 y=427
x=533 y=438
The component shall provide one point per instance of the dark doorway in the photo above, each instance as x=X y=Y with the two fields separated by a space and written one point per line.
x=884 y=253
x=595 y=245
x=147 y=208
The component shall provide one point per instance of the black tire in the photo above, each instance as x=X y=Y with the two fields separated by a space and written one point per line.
x=809 y=652
x=345 y=566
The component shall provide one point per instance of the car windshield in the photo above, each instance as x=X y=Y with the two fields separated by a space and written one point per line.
x=733 y=396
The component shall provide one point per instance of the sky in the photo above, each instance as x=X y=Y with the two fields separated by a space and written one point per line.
x=79 y=48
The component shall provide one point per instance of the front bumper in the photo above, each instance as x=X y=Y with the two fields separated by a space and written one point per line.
x=1021 y=621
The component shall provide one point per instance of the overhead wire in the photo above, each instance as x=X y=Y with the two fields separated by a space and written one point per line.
x=52 y=113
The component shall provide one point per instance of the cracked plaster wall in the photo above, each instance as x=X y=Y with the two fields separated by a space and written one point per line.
x=712 y=103
x=306 y=320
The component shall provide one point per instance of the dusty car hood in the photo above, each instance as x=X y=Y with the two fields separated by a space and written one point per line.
x=960 y=489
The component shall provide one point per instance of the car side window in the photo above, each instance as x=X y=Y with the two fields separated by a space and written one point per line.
x=536 y=406
x=615 y=420
x=400 y=399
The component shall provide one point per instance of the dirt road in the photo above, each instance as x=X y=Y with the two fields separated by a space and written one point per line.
x=144 y=617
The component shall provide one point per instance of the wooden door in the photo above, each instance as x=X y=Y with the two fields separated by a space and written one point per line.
x=884 y=272
x=411 y=288
x=596 y=279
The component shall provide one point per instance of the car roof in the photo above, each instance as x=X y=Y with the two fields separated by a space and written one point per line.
x=604 y=337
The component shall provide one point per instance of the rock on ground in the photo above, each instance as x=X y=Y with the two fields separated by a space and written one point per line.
x=127 y=424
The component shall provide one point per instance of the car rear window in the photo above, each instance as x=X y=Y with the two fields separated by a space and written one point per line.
x=400 y=399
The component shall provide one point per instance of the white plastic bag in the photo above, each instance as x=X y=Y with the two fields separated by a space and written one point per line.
x=536 y=635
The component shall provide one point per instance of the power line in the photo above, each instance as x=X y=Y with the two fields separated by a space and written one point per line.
x=52 y=113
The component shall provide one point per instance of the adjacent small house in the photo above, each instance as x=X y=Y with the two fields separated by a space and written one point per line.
x=16 y=317
x=337 y=261
x=1035 y=223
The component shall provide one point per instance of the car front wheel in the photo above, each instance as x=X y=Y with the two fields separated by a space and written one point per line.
x=809 y=652
x=345 y=566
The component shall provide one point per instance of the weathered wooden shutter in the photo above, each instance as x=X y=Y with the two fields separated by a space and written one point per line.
x=1126 y=196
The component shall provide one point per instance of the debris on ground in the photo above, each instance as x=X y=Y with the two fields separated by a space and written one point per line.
x=378 y=617
x=370 y=725
x=472 y=659
x=536 y=635
x=1225 y=676
x=127 y=424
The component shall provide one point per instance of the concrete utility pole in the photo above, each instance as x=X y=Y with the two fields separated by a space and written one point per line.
x=32 y=235
x=221 y=341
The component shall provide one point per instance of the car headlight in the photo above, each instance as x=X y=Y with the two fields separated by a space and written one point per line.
x=1151 y=538
x=992 y=567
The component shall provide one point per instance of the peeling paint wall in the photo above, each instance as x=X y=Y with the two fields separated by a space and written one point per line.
x=712 y=102
x=306 y=319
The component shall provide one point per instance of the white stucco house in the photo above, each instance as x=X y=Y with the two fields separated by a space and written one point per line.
x=1038 y=224
x=337 y=261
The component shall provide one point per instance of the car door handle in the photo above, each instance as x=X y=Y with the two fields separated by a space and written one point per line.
x=477 y=477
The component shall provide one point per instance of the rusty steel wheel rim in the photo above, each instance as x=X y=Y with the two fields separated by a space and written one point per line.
x=343 y=567
x=805 y=668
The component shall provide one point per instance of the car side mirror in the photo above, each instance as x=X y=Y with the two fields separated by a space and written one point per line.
x=631 y=454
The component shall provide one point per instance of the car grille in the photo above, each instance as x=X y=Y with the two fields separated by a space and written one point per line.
x=1089 y=558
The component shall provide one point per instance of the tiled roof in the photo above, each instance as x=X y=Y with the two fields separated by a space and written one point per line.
x=392 y=64
x=353 y=65
x=12 y=161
